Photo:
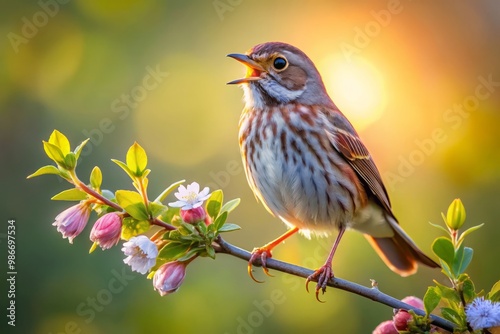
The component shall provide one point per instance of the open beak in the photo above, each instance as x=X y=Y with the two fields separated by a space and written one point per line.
x=254 y=70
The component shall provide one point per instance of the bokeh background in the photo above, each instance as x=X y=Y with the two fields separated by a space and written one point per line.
x=411 y=75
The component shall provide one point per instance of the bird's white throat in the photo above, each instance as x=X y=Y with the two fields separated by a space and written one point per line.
x=254 y=99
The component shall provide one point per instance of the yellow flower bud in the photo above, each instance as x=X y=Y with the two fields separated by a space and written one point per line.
x=455 y=216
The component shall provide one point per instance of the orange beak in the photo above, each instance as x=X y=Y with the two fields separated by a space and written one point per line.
x=254 y=70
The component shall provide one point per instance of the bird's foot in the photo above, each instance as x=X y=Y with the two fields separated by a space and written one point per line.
x=261 y=253
x=264 y=252
x=321 y=276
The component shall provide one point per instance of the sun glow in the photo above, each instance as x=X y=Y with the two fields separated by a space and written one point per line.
x=356 y=87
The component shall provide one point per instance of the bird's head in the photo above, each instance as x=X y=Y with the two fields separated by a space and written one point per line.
x=279 y=73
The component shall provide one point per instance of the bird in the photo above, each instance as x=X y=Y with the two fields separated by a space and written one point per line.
x=307 y=165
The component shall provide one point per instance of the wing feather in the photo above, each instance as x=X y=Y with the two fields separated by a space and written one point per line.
x=357 y=155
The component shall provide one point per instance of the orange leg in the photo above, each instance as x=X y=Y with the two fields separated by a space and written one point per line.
x=264 y=252
x=325 y=272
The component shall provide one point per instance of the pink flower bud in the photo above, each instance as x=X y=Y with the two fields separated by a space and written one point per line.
x=107 y=230
x=401 y=320
x=208 y=220
x=169 y=277
x=402 y=317
x=413 y=301
x=72 y=221
x=387 y=327
x=192 y=216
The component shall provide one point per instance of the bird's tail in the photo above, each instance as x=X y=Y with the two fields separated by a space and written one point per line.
x=399 y=252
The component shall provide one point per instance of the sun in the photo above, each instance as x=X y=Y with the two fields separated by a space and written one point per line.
x=356 y=87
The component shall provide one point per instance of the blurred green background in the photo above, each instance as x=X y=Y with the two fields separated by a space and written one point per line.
x=411 y=75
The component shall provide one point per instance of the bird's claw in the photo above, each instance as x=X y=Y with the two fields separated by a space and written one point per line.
x=322 y=276
x=262 y=254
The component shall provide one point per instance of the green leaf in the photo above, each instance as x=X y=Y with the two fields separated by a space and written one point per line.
x=132 y=227
x=167 y=191
x=189 y=255
x=54 y=153
x=452 y=315
x=444 y=249
x=171 y=216
x=186 y=229
x=79 y=148
x=219 y=222
x=174 y=235
x=157 y=209
x=469 y=290
x=214 y=204
x=468 y=231
x=445 y=269
x=494 y=289
x=231 y=205
x=495 y=297
x=462 y=277
x=173 y=251
x=125 y=168
x=431 y=299
x=494 y=294
x=202 y=227
x=210 y=251
x=136 y=159
x=228 y=227
x=212 y=228
x=137 y=210
x=131 y=202
x=450 y=294
x=49 y=169
x=70 y=161
x=439 y=226
x=59 y=140
x=463 y=257
x=73 y=194
x=96 y=178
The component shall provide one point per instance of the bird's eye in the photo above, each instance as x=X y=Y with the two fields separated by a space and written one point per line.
x=280 y=63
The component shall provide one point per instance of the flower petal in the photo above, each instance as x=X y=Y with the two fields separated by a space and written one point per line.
x=177 y=204
x=195 y=205
x=181 y=192
x=141 y=252
x=204 y=193
x=194 y=187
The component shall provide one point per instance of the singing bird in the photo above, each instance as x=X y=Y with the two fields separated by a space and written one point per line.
x=306 y=163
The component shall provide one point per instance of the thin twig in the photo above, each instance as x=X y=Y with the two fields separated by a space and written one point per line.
x=98 y=196
x=104 y=200
x=159 y=222
x=370 y=293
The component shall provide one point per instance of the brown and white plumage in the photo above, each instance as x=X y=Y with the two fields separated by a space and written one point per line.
x=305 y=162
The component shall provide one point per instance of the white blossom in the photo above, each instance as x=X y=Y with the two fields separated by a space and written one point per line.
x=141 y=253
x=190 y=197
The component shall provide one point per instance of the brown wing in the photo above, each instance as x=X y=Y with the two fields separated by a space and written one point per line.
x=357 y=155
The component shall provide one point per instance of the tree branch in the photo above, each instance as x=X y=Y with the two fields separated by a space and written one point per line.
x=338 y=283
